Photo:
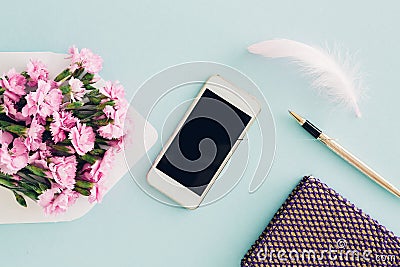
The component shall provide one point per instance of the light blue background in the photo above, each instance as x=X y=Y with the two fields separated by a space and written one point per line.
x=139 y=38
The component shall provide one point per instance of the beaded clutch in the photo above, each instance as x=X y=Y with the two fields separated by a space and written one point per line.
x=318 y=227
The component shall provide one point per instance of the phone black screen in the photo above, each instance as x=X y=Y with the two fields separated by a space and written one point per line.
x=203 y=142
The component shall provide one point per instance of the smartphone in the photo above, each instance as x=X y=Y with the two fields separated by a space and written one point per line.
x=203 y=142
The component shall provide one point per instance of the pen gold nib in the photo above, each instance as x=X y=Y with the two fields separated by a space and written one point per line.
x=297 y=117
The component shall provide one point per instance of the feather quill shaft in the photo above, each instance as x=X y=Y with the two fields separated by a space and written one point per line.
x=333 y=76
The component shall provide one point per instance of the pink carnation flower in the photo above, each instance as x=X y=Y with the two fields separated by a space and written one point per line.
x=74 y=55
x=92 y=173
x=63 y=122
x=119 y=144
x=77 y=89
x=11 y=111
x=113 y=90
x=55 y=200
x=36 y=70
x=5 y=139
x=97 y=192
x=46 y=198
x=96 y=78
x=16 y=177
x=116 y=128
x=100 y=168
x=40 y=156
x=34 y=139
x=44 y=101
x=127 y=139
x=86 y=59
x=111 y=131
x=14 y=159
x=82 y=138
x=14 y=83
x=96 y=173
x=63 y=170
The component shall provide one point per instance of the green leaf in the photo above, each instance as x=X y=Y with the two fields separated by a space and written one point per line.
x=101 y=140
x=17 y=129
x=30 y=186
x=93 y=93
x=82 y=191
x=97 y=152
x=74 y=105
x=6 y=176
x=84 y=184
x=78 y=72
x=66 y=141
x=103 y=105
x=94 y=100
x=90 y=87
x=66 y=73
x=65 y=149
x=43 y=187
x=32 y=195
x=89 y=158
x=87 y=78
x=36 y=170
x=25 y=74
x=6 y=183
x=20 y=199
x=90 y=117
x=13 y=128
x=65 y=89
x=102 y=122
x=81 y=115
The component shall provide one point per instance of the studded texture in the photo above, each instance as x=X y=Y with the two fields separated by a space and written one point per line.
x=318 y=227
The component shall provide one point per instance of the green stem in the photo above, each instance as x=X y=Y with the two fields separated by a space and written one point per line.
x=13 y=128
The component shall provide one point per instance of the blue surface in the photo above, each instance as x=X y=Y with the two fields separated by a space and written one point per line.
x=139 y=38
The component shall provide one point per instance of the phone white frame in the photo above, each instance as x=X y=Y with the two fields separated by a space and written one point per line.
x=170 y=187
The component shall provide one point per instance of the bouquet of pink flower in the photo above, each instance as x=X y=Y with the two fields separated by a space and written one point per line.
x=58 y=136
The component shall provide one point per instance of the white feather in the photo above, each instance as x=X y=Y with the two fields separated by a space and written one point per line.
x=336 y=77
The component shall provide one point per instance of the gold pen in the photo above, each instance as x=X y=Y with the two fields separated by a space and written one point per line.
x=344 y=154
